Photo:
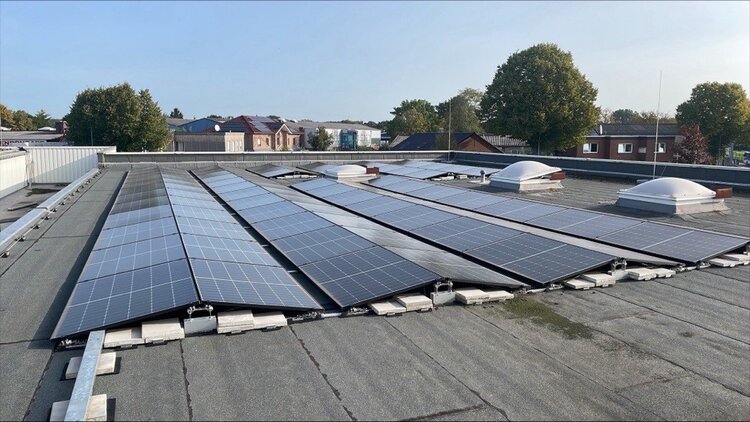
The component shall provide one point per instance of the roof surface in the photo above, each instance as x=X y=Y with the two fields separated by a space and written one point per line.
x=626 y=129
x=30 y=135
x=328 y=125
x=428 y=141
x=672 y=348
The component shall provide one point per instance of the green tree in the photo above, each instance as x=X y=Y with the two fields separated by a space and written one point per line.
x=538 y=95
x=321 y=141
x=413 y=116
x=40 y=119
x=721 y=111
x=119 y=116
x=462 y=111
x=6 y=117
x=651 y=116
x=176 y=113
x=624 y=115
x=23 y=121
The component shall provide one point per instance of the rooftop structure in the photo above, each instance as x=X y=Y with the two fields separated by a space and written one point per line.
x=671 y=195
x=527 y=176
x=635 y=350
x=462 y=141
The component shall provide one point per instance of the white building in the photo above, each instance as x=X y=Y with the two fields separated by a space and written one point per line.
x=346 y=136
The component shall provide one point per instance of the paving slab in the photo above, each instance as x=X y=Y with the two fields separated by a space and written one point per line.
x=509 y=373
x=106 y=365
x=379 y=373
x=150 y=384
x=257 y=376
x=389 y=307
x=23 y=366
x=97 y=410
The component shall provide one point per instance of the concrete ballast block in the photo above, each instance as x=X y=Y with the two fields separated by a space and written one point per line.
x=415 y=302
x=579 y=284
x=471 y=296
x=664 y=272
x=642 y=273
x=499 y=295
x=389 y=307
x=97 y=410
x=106 y=365
x=123 y=337
x=599 y=279
x=270 y=320
x=235 y=321
x=743 y=258
x=162 y=330
x=724 y=263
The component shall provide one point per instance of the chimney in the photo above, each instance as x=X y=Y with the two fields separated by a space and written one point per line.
x=601 y=129
x=61 y=126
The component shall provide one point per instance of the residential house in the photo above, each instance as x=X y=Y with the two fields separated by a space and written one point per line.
x=264 y=133
x=174 y=123
x=461 y=141
x=209 y=141
x=618 y=141
x=200 y=125
x=507 y=144
x=345 y=136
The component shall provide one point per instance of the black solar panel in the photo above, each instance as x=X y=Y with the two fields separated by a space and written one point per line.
x=227 y=250
x=203 y=213
x=135 y=232
x=240 y=184
x=292 y=225
x=435 y=192
x=379 y=205
x=696 y=246
x=201 y=227
x=313 y=184
x=331 y=190
x=366 y=275
x=135 y=196
x=352 y=197
x=280 y=209
x=563 y=218
x=599 y=226
x=415 y=216
x=644 y=235
x=320 y=244
x=125 y=206
x=192 y=202
x=248 y=192
x=254 y=201
x=533 y=211
x=127 y=296
x=465 y=233
x=246 y=284
x=513 y=249
x=558 y=263
x=137 y=216
x=132 y=256
x=499 y=209
x=472 y=200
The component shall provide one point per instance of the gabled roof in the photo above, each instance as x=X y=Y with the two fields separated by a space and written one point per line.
x=171 y=121
x=255 y=124
x=428 y=141
x=504 y=141
x=628 y=129
x=329 y=125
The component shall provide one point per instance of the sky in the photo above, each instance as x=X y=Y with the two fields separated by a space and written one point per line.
x=358 y=60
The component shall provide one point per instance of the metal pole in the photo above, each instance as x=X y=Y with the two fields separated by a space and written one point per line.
x=450 y=102
x=84 y=386
x=656 y=140
x=91 y=135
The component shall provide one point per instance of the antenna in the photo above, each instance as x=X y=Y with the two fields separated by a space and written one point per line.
x=656 y=139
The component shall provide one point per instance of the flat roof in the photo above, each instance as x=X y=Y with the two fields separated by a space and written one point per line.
x=673 y=348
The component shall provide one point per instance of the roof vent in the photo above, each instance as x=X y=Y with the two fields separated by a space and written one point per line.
x=348 y=171
x=671 y=195
x=528 y=176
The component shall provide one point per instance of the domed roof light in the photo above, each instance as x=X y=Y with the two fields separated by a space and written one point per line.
x=346 y=171
x=670 y=195
x=526 y=176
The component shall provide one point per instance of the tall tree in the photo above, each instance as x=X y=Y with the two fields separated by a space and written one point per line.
x=23 y=121
x=40 y=119
x=624 y=115
x=118 y=116
x=651 y=116
x=6 y=117
x=538 y=95
x=605 y=116
x=461 y=112
x=413 y=116
x=721 y=111
x=693 y=148
x=176 y=113
x=321 y=141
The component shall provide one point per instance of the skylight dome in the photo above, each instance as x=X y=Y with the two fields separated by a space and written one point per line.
x=671 y=195
x=671 y=187
x=528 y=176
x=525 y=170
x=346 y=171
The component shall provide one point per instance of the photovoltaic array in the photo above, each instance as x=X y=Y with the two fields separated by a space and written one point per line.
x=429 y=170
x=532 y=257
x=673 y=242
x=348 y=268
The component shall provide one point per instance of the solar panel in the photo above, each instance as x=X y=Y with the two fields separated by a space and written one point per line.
x=247 y=284
x=558 y=263
x=313 y=184
x=201 y=227
x=132 y=256
x=325 y=191
x=533 y=211
x=125 y=206
x=514 y=249
x=254 y=201
x=250 y=191
x=352 y=197
x=415 y=216
x=426 y=174
x=266 y=212
x=221 y=181
x=378 y=206
x=198 y=203
x=135 y=232
x=599 y=226
x=472 y=200
x=461 y=237
x=299 y=223
x=644 y=235
x=696 y=246
x=366 y=275
x=563 y=218
x=184 y=187
x=126 y=296
x=435 y=192
x=204 y=213
x=227 y=250
x=408 y=186
x=501 y=208
x=320 y=244
x=134 y=196
x=238 y=185
x=137 y=216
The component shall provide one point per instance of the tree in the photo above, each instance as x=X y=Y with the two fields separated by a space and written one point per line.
x=119 y=116
x=23 y=121
x=213 y=116
x=461 y=112
x=721 y=111
x=40 y=119
x=624 y=115
x=176 y=113
x=413 y=116
x=605 y=116
x=693 y=148
x=650 y=117
x=321 y=141
x=6 y=117
x=538 y=95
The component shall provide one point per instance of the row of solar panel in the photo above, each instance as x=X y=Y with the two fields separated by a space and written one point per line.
x=428 y=169
x=533 y=257
x=678 y=243
x=347 y=267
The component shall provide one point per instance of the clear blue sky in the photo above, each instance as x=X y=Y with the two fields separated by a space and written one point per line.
x=331 y=61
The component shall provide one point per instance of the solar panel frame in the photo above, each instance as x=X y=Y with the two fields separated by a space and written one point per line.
x=135 y=232
x=254 y=201
x=321 y=244
x=313 y=184
x=280 y=209
x=200 y=227
x=137 y=216
x=415 y=216
x=300 y=223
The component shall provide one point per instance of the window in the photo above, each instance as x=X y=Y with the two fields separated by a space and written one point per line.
x=624 y=148
x=258 y=141
x=590 y=148
x=661 y=147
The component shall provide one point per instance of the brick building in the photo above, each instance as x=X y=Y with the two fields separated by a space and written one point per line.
x=461 y=141
x=616 y=141
x=264 y=133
